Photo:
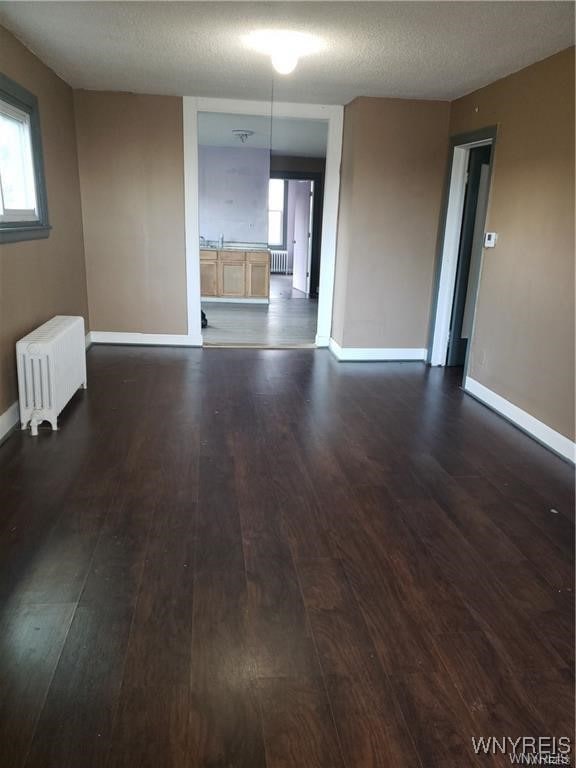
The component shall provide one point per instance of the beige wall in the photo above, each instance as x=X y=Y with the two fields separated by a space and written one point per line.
x=130 y=154
x=130 y=151
x=42 y=278
x=523 y=345
x=393 y=166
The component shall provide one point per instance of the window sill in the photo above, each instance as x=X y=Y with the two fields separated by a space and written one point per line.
x=16 y=234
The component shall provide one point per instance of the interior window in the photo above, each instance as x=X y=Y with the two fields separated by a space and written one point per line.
x=276 y=200
x=17 y=189
x=23 y=210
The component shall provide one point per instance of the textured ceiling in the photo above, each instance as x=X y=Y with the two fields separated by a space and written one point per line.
x=438 y=50
x=306 y=138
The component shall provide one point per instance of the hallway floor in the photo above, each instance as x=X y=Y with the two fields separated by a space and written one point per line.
x=268 y=559
x=289 y=319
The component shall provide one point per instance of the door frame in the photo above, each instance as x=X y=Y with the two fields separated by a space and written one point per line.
x=317 y=178
x=334 y=116
x=310 y=238
x=451 y=228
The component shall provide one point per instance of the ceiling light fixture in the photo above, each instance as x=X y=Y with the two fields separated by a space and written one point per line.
x=283 y=46
x=243 y=134
x=284 y=62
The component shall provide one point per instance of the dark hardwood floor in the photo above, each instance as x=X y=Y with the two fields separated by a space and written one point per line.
x=242 y=558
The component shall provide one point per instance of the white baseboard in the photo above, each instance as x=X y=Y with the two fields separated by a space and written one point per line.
x=146 y=339
x=231 y=300
x=375 y=354
x=322 y=341
x=522 y=419
x=9 y=419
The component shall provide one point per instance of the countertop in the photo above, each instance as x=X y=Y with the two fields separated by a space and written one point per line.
x=235 y=247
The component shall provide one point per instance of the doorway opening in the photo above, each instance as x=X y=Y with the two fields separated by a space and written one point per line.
x=240 y=269
x=304 y=194
x=259 y=208
x=295 y=205
x=462 y=249
x=469 y=255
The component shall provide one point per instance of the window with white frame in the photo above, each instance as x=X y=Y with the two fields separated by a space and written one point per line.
x=23 y=212
x=276 y=217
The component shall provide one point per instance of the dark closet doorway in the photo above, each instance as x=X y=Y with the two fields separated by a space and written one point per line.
x=469 y=254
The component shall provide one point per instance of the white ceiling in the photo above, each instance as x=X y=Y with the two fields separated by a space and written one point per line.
x=431 y=50
x=289 y=136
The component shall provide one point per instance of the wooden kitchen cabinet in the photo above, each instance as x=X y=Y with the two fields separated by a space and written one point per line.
x=235 y=274
x=209 y=273
x=232 y=278
x=257 y=274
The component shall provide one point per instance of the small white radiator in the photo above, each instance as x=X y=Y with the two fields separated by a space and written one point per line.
x=51 y=367
x=280 y=263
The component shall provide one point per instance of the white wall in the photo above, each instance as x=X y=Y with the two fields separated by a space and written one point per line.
x=233 y=193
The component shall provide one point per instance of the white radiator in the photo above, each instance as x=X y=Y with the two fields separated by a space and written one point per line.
x=51 y=367
x=280 y=263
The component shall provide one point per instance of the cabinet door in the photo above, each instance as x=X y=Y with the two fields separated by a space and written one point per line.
x=232 y=278
x=258 y=282
x=209 y=278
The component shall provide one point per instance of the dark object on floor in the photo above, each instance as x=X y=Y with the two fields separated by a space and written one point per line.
x=204 y=320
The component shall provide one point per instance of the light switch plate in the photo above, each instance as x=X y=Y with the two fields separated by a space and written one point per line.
x=490 y=239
